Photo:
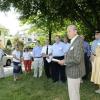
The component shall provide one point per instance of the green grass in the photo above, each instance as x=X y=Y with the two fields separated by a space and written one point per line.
x=30 y=88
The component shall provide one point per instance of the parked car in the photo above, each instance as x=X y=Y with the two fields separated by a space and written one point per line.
x=7 y=60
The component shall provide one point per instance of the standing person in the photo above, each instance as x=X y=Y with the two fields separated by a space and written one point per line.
x=87 y=53
x=16 y=62
x=2 y=74
x=31 y=60
x=95 y=44
x=21 y=56
x=67 y=44
x=74 y=61
x=95 y=58
x=66 y=41
x=27 y=60
x=58 y=51
x=46 y=54
x=38 y=60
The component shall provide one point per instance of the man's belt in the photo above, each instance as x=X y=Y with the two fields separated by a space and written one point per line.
x=37 y=57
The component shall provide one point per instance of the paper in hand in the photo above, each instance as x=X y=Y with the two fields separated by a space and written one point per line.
x=49 y=59
x=55 y=60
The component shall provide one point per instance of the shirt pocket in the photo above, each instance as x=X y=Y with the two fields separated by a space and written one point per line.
x=71 y=53
x=61 y=49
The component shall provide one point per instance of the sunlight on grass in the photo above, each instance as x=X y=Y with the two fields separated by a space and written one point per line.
x=30 y=88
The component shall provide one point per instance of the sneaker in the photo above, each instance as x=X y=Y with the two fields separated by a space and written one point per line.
x=97 y=91
x=19 y=78
x=34 y=76
x=15 y=79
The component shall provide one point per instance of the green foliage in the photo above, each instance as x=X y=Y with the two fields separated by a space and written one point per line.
x=42 y=40
x=8 y=50
x=50 y=15
x=18 y=42
x=30 y=45
x=9 y=43
x=3 y=31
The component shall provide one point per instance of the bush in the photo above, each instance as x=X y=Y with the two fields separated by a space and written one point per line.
x=8 y=50
x=9 y=44
x=31 y=45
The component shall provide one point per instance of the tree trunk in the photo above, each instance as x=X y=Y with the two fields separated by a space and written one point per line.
x=50 y=32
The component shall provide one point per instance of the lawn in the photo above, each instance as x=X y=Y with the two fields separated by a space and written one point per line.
x=30 y=88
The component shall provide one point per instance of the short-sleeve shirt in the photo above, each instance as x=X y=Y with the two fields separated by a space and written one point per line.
x=1 y=54
x=59 y=49
x=26 y=55
x=95 y=43
x=17 y=54
x=37 y=51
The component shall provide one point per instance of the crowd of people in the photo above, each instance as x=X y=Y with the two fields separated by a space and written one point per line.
x=62 y=61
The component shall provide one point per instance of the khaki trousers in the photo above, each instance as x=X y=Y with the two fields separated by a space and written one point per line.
x=74 y=88
x=37 y=65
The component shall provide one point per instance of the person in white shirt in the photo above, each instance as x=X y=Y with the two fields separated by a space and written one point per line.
x=46 y=54
x=27 y=60
x=2 y=74
x=16 y=62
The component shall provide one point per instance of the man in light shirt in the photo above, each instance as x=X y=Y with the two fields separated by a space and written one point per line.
x=46 y=54
x=38 y=60
x=87 y=53
x=58 y=50
x=2 y=74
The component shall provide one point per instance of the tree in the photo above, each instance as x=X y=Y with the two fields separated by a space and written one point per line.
x=9 y=44
x=18 y=42
x=3 y=31
x=45 y=24
x=85 y=11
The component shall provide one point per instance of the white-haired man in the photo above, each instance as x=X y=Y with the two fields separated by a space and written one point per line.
x=74 y=61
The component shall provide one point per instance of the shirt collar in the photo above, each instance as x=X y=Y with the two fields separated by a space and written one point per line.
x=72 y=40
x=58 y=42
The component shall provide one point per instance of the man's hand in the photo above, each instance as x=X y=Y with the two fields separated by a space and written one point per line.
x=92 y=58
x=47 y=56
x=21 y=59
x=61 y=62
